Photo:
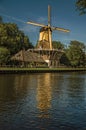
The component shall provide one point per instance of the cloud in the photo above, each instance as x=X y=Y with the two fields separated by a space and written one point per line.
x=31 y=28
x=42 y=20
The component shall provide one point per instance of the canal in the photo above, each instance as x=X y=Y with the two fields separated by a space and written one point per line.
x=43 y=101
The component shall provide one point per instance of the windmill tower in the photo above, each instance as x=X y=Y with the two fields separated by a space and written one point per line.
x=44 y=46
x=45 y=35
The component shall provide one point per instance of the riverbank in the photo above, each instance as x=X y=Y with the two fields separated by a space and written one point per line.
x=38 y=70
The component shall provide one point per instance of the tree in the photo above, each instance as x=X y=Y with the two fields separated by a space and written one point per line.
x=12 y=38
x=81 y=6
x=57 y=45
x=64 y=60
x=76 y=54
x=4 y=55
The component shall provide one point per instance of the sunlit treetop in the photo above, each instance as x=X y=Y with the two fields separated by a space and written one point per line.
x=81 y=6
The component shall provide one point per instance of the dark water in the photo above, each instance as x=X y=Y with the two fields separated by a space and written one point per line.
x=49 y=101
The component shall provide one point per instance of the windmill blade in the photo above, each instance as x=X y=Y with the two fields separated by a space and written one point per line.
x=49 y=16
x=36 y=24
x=60 y=29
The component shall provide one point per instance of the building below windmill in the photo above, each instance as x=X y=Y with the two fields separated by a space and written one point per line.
x=38 y=58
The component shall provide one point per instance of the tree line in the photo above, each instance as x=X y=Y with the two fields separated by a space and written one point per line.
x=12 y=40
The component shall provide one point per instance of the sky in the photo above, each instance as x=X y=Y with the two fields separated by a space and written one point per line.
x=63 y=15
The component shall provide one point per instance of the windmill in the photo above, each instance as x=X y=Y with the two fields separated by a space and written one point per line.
x=45 y=36
x=44 y=46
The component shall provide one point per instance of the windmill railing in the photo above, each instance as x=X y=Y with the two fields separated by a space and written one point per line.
x=38 y=49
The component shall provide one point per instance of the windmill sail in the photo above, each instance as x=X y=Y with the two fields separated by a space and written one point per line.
x=36 y=24
x=49 y=16
x=60 y=29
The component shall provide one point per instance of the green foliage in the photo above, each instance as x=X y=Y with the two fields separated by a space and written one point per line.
x=57 y=45
x=4 y=55
x=64 y=60
x=76 y=54
x=81 y=6
x=12 y=38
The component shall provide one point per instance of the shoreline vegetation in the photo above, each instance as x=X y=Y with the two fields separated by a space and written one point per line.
x=10 y=70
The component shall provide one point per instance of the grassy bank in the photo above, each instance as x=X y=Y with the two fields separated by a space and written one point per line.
x=38 y=70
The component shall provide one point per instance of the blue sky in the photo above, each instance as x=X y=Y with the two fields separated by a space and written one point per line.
x=63 y=14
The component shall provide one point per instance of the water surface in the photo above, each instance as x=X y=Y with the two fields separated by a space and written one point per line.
x=43 y=101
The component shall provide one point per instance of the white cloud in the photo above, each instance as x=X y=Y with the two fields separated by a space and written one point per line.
x=42 y=20
x=31 y=28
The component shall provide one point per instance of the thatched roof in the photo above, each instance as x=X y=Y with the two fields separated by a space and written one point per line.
x=27 y=56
